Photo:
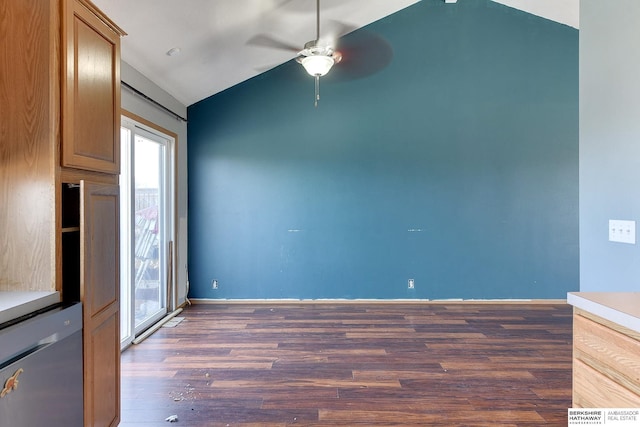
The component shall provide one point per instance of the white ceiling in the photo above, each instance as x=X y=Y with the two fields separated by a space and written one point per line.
x=213 y=34
x=564 y=11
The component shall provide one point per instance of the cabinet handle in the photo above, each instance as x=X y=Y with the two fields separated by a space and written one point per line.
x=11 y=383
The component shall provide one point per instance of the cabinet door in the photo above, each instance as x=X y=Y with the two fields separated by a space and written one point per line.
x=100 y=294
x=91 y=91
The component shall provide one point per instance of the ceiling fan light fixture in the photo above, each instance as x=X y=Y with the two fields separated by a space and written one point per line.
x=317 y=65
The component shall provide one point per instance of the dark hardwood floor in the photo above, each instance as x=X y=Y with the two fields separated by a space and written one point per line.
x=354 y=364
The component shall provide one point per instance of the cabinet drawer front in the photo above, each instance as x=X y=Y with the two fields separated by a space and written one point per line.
x=591 y=389
x=615 y=355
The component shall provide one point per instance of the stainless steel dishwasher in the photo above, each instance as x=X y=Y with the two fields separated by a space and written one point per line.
x=41 y=368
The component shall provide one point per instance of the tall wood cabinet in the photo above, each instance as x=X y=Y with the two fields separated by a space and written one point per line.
x=59 y=166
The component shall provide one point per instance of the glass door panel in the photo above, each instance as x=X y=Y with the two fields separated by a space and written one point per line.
x=149 y=237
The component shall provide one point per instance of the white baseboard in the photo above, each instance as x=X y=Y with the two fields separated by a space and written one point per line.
x=376 y=301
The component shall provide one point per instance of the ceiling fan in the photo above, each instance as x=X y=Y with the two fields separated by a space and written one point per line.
x=317 y=56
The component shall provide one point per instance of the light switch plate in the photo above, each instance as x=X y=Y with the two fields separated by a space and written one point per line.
x=622 y=231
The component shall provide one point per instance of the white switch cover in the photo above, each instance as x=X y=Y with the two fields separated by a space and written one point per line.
x=622 y=231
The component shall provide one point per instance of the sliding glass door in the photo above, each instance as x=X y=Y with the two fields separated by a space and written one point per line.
x=147 y=226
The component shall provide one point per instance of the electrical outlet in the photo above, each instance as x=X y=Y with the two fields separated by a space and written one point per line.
x=214 y=284
x=411 y=284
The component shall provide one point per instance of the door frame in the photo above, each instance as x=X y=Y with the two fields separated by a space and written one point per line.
x=145 y=125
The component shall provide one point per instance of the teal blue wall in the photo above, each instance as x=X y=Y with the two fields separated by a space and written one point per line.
x=455 y=165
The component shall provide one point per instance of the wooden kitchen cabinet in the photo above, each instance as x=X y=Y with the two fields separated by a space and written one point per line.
x=90 y=268
x=100 y=293
x=59 y=165
x=29 y=123
x=606 y=368
x=90 y=120
x=606 y=345
x=91 y=89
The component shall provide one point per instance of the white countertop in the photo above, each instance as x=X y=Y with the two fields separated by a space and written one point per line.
x=622 y=308
x=14 y=304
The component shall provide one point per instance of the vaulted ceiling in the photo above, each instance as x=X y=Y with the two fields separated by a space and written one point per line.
x=211 y=39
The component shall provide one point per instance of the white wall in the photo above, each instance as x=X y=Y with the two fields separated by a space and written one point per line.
x=141 y=107
x=609 y=142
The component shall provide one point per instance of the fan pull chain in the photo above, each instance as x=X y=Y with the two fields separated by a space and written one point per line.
x=317 y=98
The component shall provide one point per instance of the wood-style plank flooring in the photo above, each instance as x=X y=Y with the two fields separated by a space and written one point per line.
x=354 y=364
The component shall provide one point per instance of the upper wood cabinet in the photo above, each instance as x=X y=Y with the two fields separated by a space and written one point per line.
x=90 y=89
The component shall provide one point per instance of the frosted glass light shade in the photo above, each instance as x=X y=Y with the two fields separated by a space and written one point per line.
x=317 y=65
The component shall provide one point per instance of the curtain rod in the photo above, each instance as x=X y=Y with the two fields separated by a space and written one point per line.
x=152 y=101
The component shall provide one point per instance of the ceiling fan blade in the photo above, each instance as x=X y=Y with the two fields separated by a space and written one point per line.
x=300 y=7
x=364 y=53
x=265 y=68
x=263 y=40
x=339 y=28
x=282 y=3
x=332 y=30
